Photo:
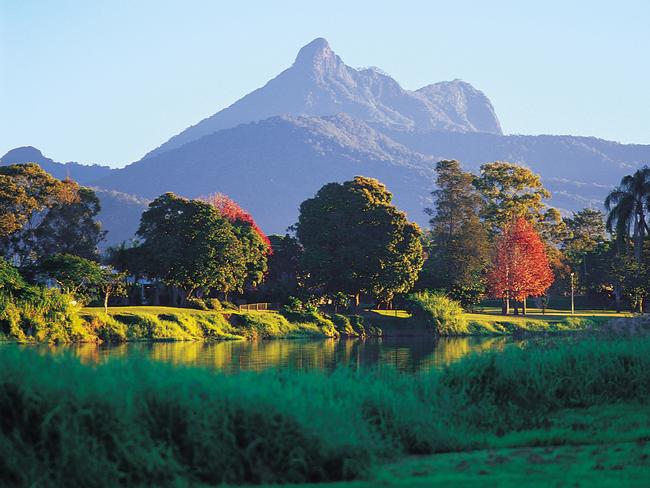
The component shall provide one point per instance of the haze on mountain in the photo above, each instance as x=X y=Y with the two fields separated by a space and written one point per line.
x=321 y=121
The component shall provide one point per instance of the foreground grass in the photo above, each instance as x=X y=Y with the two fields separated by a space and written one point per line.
x=138 y=422
x=622 y=464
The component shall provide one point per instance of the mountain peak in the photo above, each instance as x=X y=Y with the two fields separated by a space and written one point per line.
x=318 y=56
x=22 y=154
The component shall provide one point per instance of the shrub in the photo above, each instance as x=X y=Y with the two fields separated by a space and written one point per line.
x=444 y=315
x=197 y=303
x=214 y=304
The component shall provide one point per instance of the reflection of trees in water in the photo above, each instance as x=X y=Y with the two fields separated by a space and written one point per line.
x=451 y=349
x=402 y=353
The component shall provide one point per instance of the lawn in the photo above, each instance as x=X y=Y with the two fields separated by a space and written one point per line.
x=489 y=321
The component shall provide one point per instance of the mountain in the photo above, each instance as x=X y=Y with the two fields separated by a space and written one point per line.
x=271 y=166
x=81 y=173
x=320 y=83
x=120 y=213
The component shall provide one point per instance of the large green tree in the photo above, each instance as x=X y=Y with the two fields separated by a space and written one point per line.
x=71 y=228
x=256 y=246
x=26 y=191
x=187 y=244
x=355 y=241
x=510 y=191
x=75 y=275
x=585 y=232
x=458 y=248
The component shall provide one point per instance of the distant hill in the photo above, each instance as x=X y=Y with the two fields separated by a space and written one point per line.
x=81 y=173
x=320 y=83
x=271 y=166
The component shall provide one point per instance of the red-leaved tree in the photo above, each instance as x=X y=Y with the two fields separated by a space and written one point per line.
x=231 y=210
x=520 y=267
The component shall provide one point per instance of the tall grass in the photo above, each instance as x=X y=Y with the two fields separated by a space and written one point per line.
x=138 y=422
x=442 y=314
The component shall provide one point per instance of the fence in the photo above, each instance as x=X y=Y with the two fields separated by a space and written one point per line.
x=259 y=306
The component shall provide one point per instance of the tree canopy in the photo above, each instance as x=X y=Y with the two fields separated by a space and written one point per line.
x=188 y=244
x=510 y=191
x=355 y=241
x=458 y=242
x=520 y=266
x=255 y=245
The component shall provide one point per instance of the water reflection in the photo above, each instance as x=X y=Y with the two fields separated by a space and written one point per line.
x=405 y=354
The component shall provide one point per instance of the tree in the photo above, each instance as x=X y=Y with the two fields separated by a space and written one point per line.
x=586 y=230
x=255 y=244
x=510 y=191
x=283 y=277
x=25 y=189
x=457 y=242
x=187 y=244
x=626 y=206
x=355 y=241
x=630 y=279
x=520 y=266
x=71 y=228
x=75 y=275
x=111 y=284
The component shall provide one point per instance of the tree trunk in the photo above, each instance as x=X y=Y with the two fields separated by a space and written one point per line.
x=617 y=298
x=357 y=300
x=523 y=307
x=505 y=308
x=106 y=295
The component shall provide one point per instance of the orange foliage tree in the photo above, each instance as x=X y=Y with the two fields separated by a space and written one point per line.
x=231 y=210
x=520 y=267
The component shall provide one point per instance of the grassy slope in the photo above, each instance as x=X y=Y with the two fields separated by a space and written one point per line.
x=169 y=323
x=490 y=322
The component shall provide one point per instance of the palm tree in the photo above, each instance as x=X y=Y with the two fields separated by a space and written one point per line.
x=626 y=206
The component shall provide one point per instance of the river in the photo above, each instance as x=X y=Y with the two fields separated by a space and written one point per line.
x=410 y=354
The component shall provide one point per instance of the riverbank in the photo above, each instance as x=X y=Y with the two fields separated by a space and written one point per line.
x=148 y=323
x=136 y=421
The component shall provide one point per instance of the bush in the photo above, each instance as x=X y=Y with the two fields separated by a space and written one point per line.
x=196 y=303
x=444 y=315
x=214 y=304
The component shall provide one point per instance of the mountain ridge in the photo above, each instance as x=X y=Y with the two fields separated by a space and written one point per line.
x=320 y=83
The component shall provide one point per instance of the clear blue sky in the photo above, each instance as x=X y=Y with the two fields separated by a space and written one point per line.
x=106 y=81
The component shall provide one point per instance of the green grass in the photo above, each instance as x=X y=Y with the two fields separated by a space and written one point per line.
x=608 y=465
x=168 y=323
x=137 y=422
x=489 y=321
